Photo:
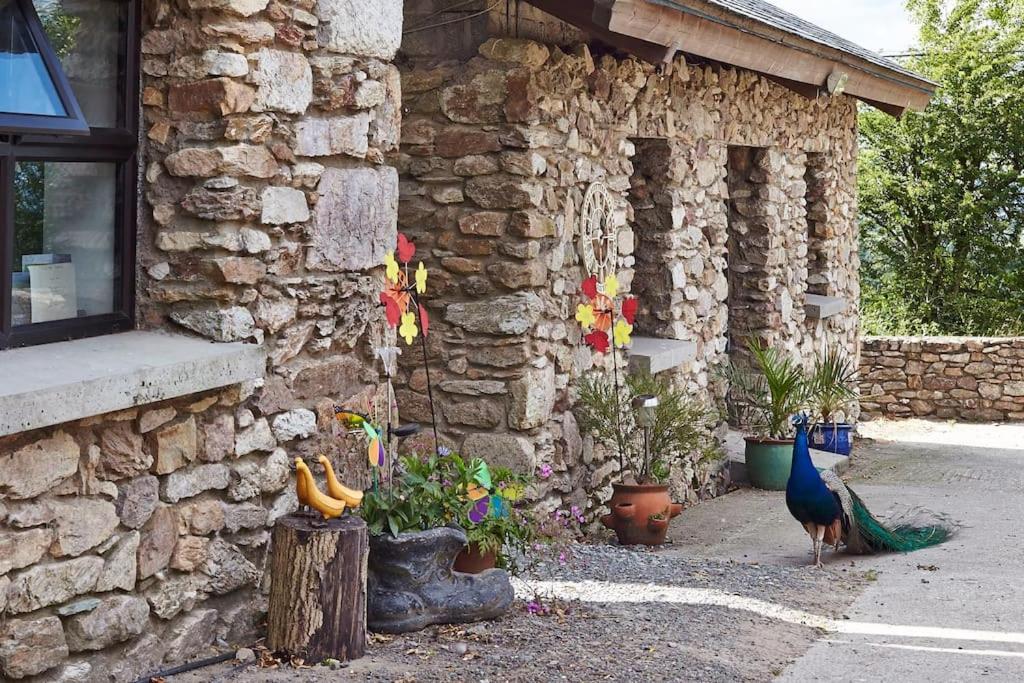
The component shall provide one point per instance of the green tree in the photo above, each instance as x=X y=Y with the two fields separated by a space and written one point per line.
x=942 y=191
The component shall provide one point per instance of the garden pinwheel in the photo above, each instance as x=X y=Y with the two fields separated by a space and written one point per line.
x=596 y=316
x=403 y=308
x=484 y=500
x=356 y=421
x=399 y=295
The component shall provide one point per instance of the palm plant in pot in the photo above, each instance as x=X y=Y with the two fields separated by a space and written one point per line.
x=652 y=428
x=833 y=392
x=763 y=398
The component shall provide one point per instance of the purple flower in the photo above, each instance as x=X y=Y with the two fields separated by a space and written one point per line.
x=562 y=559
x=444 y=451
x=535 y=607
x=545 y=471
x=577 y=513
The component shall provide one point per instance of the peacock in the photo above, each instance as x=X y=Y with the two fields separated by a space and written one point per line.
x=832 y=513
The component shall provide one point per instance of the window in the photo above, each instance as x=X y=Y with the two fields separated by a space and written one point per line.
x=68 y=143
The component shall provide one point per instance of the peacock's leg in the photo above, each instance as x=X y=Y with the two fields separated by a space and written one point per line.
x=819 y=543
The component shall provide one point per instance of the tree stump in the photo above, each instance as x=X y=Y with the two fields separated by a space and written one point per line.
x=318 y=587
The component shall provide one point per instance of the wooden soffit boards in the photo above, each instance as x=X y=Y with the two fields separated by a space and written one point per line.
x=708 y=31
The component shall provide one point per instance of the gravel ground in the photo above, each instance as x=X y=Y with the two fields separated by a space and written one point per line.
x=605 y=641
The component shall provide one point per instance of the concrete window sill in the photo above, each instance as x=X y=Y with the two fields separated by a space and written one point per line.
x=647 y=354
x=49 y=384
x=820 y=307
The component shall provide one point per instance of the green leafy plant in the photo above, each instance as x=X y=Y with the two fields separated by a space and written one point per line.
x=765 y=396
x=416 y=501
x=659 y=516
x=433 y=491
x=683 y=427
x=832 y=385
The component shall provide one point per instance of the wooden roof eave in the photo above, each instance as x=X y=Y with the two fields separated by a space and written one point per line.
x=656 y=32
x=748 y=44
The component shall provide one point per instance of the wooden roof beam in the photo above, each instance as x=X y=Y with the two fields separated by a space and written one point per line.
x=582 y=13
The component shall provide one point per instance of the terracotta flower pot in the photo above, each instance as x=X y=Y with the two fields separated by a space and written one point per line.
x=472 y=561
x=632 y=507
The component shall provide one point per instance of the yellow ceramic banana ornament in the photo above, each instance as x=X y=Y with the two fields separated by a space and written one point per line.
x=338 y=490
x=300 y=484
x=325 y=505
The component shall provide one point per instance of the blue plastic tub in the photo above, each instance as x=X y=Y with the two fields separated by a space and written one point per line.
x=832 y=437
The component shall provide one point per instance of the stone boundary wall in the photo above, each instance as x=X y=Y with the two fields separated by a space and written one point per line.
x=978 y=379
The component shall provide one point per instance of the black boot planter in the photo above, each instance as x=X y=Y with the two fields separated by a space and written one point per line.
x=411 y=584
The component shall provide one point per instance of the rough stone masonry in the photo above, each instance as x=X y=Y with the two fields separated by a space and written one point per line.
x=978 y=379
x=134 y=540
x=713 y=171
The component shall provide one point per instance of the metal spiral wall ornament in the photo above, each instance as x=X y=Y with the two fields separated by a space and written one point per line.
x=598 y=232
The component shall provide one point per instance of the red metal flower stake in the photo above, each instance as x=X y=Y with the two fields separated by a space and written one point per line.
x=596 y=319
x=399 y=296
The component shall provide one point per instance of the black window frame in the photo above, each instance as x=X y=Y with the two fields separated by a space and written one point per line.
x=73 y=122
x=118 y=145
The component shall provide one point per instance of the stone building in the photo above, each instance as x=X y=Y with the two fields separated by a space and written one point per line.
x=723 y=135
x=197 y=196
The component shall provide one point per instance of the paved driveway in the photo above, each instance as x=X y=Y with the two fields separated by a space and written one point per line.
x=950 y=613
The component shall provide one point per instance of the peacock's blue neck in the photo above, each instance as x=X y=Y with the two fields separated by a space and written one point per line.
x=802 y=467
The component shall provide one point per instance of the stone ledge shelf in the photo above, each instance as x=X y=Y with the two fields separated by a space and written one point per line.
x=820 y=307
x=657 y=355
x=46 y=385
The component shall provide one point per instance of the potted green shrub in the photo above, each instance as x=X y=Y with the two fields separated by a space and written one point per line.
x=678 y=428
x=833 y=392
x=411 y=581
x=763 y=398
x=497 y=530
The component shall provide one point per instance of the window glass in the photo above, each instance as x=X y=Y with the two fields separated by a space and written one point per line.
x=64 y=222
x=88 y=37
x=25 y=84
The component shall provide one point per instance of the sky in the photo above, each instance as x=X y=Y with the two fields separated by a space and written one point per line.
x=880 y=25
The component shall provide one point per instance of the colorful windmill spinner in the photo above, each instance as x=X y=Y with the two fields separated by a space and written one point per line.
x=596 y=316
x=355 y=421
x=399 y=295
x=484 y=501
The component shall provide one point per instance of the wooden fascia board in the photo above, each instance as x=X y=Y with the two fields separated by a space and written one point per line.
x=581 y=14
x=726 y=41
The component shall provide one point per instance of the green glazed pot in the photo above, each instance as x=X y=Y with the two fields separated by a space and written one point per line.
x=768 y=462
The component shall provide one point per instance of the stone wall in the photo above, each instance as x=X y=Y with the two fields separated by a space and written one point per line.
x=497 y=153
x=135 y=539
x=978 y=379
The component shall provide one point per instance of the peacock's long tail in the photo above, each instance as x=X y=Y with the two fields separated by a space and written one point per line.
x=912 y=530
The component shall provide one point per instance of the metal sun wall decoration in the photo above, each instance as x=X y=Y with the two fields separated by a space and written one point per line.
x=599 y=253
x=598 y=235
